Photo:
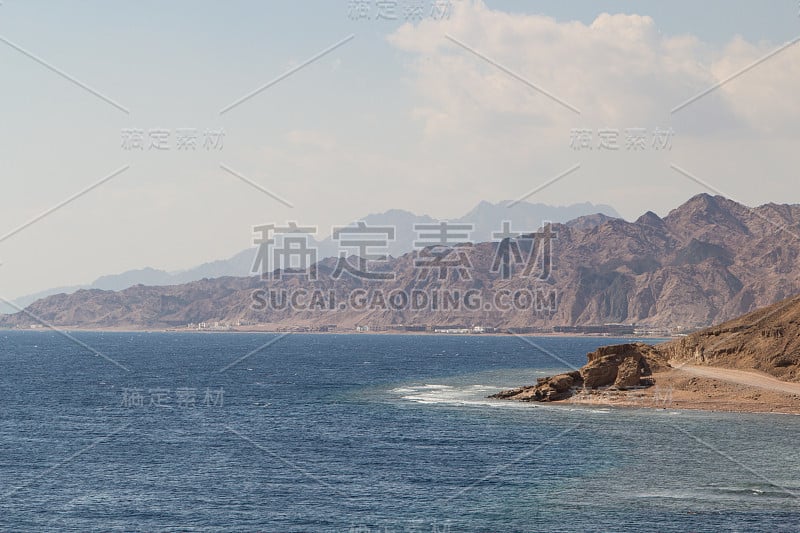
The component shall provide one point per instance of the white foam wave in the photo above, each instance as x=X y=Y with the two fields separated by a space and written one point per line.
x=475 y=395
x=432 y=393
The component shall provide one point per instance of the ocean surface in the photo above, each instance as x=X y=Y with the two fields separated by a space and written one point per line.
x=361 y=433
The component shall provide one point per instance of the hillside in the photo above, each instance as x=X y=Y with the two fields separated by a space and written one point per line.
x=767 y=340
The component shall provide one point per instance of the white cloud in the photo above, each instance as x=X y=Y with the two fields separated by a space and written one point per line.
x=619 y=70
x=765 y=96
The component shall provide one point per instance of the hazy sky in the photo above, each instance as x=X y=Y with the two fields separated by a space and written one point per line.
x=430 y=115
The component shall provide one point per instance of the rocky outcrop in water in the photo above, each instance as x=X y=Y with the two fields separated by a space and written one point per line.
x=619 y=367
x=547 y=389
x=622 y=366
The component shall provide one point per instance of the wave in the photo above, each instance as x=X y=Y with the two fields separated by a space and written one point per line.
x=438 y=393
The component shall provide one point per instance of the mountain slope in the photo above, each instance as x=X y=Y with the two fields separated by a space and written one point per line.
x=767 y=339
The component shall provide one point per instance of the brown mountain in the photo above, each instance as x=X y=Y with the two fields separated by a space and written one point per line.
x=707 y=261
x=767 y=340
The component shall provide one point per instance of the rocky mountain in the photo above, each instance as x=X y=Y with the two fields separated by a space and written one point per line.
x=707 y=261
x=486 y=217
x=767 y=339
x=587 y=222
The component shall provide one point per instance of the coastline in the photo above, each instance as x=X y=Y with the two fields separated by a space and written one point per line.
x=124 y=329
x=678 y=389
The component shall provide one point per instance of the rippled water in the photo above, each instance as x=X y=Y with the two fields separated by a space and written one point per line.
x=361 y=433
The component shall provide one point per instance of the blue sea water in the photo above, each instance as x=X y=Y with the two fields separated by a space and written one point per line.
x=361 y=433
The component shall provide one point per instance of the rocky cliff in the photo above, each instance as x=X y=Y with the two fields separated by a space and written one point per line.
x=767 y=339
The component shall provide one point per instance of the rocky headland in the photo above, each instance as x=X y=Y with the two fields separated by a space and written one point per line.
x=751 y=363
x=617 y=367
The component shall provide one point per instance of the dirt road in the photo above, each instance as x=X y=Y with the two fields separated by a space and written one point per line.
x=742 y=377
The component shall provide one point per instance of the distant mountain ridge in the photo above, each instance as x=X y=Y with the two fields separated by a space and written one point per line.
x=486 y=217
x=707 y=261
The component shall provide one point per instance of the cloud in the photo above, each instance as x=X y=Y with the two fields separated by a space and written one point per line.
x=312 y=139
x=764 y=96
x=620 y=71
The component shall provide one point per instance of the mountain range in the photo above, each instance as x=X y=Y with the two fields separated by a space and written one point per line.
x=485 y=216
x=709 y=260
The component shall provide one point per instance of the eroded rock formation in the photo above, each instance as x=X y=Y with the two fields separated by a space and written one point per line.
x=621 y=367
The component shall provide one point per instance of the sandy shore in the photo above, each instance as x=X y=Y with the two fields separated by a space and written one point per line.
x=705 y=388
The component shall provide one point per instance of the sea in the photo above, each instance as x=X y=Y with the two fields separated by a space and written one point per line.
x=362 y=433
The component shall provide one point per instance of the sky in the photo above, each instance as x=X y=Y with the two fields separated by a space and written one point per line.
x=322 y=112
